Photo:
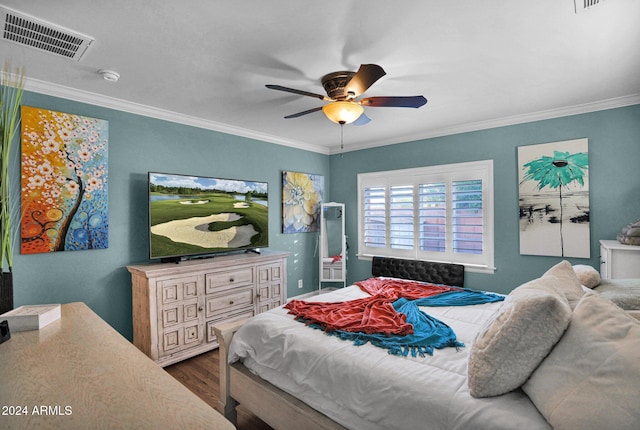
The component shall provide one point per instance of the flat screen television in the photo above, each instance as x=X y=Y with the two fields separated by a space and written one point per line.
x=197 y=216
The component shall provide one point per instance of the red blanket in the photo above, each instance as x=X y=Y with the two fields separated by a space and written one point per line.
x=370 y=314
x=399 y=288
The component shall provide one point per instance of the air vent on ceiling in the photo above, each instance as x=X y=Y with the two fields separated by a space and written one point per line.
x=584 y=5
x=26 y=30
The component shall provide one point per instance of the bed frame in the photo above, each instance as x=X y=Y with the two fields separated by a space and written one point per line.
x=426 y=271
x=279 y=409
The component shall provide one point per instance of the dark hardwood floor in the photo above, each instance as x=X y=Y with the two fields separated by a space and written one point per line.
x=200 y=375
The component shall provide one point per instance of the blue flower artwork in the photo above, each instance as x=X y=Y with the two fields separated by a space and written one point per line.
x=554 y=199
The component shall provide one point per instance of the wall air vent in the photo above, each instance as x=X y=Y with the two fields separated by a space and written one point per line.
x=29 y=31
x=584 y=5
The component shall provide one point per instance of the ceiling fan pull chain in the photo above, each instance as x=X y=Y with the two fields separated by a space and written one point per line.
x=341 y=138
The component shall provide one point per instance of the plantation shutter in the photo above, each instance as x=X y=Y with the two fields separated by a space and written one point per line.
x=433 y=217
x=437 y=213
x=401 y=216
x=467 y=216
x=374 y=217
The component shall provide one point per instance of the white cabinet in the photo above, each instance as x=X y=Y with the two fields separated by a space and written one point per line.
x=175 y=306
x=333 y=244
x=618 y=261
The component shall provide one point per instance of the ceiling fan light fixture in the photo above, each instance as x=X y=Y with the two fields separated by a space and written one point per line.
x=342 y=112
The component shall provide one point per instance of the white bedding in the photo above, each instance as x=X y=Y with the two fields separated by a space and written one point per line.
x=364 y=387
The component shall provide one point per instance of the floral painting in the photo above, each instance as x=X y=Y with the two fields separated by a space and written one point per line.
x=554 y=199
x=302 y=195
x=64 y=182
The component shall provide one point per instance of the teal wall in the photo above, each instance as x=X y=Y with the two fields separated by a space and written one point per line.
x=139 y=144
x=614 y=181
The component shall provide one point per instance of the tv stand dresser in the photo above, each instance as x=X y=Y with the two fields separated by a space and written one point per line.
x=175 y=305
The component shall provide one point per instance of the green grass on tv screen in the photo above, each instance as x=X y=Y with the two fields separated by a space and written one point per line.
x=186 y=217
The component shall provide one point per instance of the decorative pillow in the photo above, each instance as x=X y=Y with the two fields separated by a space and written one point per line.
x=527 y=326
x=587 y=275
x=590 y=379
x=569 y=283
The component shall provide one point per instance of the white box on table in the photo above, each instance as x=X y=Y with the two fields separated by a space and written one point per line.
x=31 y=317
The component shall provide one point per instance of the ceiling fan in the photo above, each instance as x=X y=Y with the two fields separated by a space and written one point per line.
x=343 y=90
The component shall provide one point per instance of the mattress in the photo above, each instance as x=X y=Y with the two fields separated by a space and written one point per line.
x=364 y=387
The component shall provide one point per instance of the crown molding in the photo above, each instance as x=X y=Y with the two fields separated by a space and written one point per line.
x=612 y=103
x=82 y=96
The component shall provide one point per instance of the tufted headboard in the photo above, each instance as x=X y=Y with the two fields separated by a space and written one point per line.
x=426 y=271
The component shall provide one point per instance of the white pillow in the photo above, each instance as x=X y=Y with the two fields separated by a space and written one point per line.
x=569 y=283
x=591 y=378
x=587 y=275
x=509 y=347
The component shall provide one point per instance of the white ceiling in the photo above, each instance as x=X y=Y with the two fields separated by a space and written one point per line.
x=205 y=63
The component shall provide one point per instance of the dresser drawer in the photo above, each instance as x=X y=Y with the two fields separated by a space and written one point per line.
x=228 y=279
x=227 y=317
x=237 y=298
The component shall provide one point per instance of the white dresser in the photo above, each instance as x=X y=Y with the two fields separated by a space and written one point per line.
x=618 y=261
x=176 y=305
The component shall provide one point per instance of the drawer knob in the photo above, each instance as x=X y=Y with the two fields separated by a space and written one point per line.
x=231 y=279
x=200 y=308
x=230 y=302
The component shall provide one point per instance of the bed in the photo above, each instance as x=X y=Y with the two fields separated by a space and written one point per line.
x=293 y=376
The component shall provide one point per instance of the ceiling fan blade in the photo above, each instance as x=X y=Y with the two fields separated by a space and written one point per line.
x=296 y=115
x=299 y=92
x=366 y=76
x=362 y=120
x=401 y=101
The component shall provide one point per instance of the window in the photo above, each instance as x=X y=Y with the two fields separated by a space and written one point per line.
x=437 y=213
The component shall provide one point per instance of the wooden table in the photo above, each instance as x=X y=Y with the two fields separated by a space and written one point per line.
x=79 y=373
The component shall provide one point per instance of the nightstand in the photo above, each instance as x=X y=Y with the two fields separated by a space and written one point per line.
x=618 y=261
